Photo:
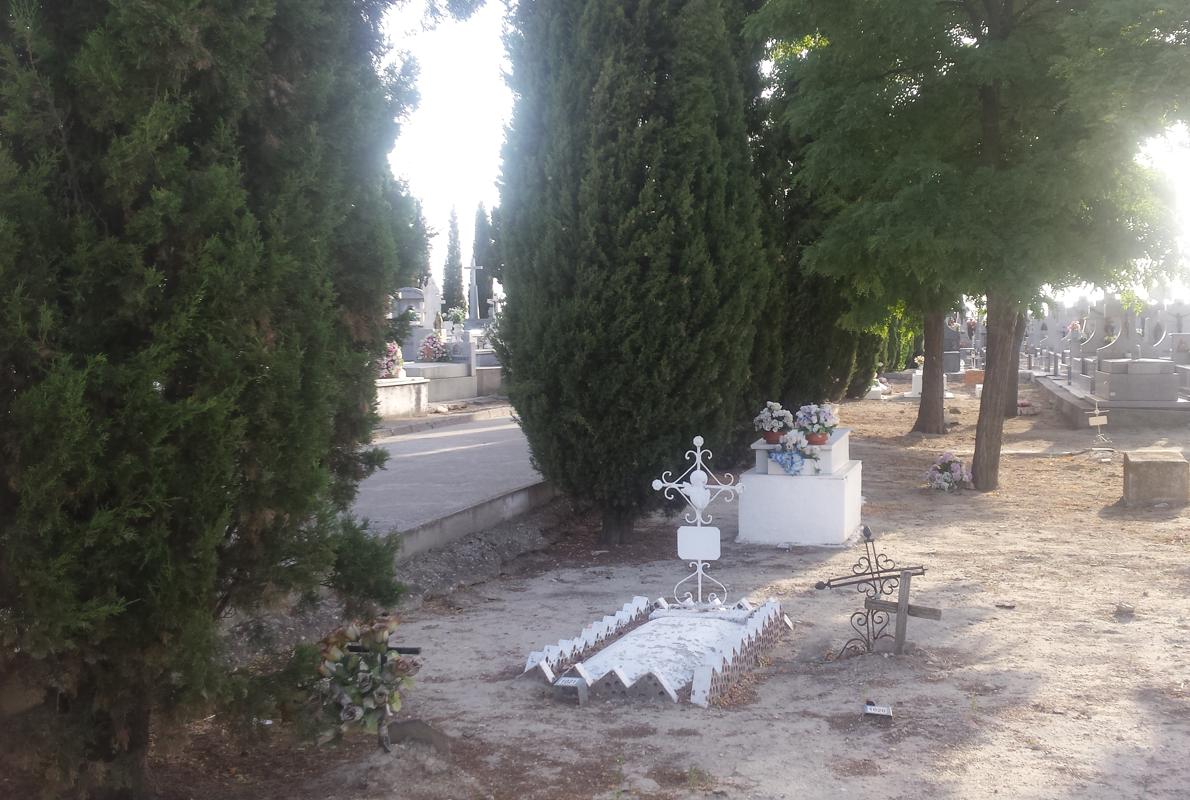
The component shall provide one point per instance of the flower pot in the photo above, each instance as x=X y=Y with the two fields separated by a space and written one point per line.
x=772 y=437
x=817 y=438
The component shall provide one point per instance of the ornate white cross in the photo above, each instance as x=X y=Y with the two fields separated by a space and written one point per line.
x=698 y=486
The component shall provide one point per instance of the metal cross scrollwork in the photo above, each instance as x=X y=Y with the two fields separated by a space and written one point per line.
x=698 y=491
x=876 y=576
x=699 y=487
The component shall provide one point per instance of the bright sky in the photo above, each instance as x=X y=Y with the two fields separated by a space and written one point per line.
x=449 y=149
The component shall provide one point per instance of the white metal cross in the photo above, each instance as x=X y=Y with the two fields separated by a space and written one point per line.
x=698 y=491
x=698 y=541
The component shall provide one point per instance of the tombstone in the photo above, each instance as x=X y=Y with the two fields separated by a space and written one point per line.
x=1156 y=476
x=496 y=302
x=951 y=340
x=1137 y=380
x=818 y=506
x=473 y=320
x=1032 y=332
x=411 y=298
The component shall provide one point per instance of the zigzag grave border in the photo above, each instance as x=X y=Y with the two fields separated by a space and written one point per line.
x=552 y=660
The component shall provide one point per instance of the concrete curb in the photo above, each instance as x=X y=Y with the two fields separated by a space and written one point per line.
x=481 y=516
x=389 y=429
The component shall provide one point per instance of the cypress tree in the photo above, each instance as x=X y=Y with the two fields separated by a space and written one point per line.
x=453 y=293
x=632 y=253
x=198 y=232
x=483 y=252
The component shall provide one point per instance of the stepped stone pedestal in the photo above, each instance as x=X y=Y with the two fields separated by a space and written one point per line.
x=815 y=507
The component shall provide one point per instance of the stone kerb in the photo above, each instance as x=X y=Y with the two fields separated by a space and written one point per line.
x=1156 y=476
x=660 y=659
x=552 y=660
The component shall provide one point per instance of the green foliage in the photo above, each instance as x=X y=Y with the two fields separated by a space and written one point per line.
x=963 y=154
x=868 y=350
x=483 y=252
x=452 y=273
x=198 y=233
x=962 y=148
x=901 y=333
x=629 y=236
x=400 y=326
x=457 y=315
x=804 y=344
x=363 y=568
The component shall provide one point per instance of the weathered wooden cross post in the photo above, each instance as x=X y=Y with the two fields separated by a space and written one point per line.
x=903 y=609
x=877 y=576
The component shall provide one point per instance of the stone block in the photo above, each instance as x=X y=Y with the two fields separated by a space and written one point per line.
x=1117 y=366
x=951 y=362
x=1150 y=366
x=1156 y=476
x=972 y=377
x=1137 y=387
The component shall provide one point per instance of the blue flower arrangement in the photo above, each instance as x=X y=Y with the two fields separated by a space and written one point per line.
x=794 y=452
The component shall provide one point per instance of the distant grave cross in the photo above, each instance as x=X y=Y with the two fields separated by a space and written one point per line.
x=473 y=291
x=698 y=541
x=878 y=576
x=1097 y=419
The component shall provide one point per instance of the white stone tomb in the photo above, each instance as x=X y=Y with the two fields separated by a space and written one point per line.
x=915 y=389
x=820 y=506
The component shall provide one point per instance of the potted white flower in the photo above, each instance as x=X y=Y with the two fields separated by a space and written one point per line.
x=772 y=422
x=817 y=422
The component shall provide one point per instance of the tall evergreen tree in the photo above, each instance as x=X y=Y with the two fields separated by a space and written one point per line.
x=981 y=149
x=198 y=231
x=483 y=253
x=453 y=292
x=632 y=253
x=497 y=251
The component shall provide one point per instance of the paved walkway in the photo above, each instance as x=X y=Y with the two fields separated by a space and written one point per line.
x=431 y=474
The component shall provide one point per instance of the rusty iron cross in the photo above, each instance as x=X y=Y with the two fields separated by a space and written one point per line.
x=877 y=576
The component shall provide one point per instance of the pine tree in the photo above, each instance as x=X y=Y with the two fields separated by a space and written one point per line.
x=483 y=253
x=453 y=293
x=632 y=254
x=197 y=237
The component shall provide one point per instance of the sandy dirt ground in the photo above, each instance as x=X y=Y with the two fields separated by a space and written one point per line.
x=1060 y=696
x=1036 y=683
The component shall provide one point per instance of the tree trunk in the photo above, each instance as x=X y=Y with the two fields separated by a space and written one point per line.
x=617 y=526
x=1014 y=366
x=121 y=745
x=989 y=430
x=930 y=417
